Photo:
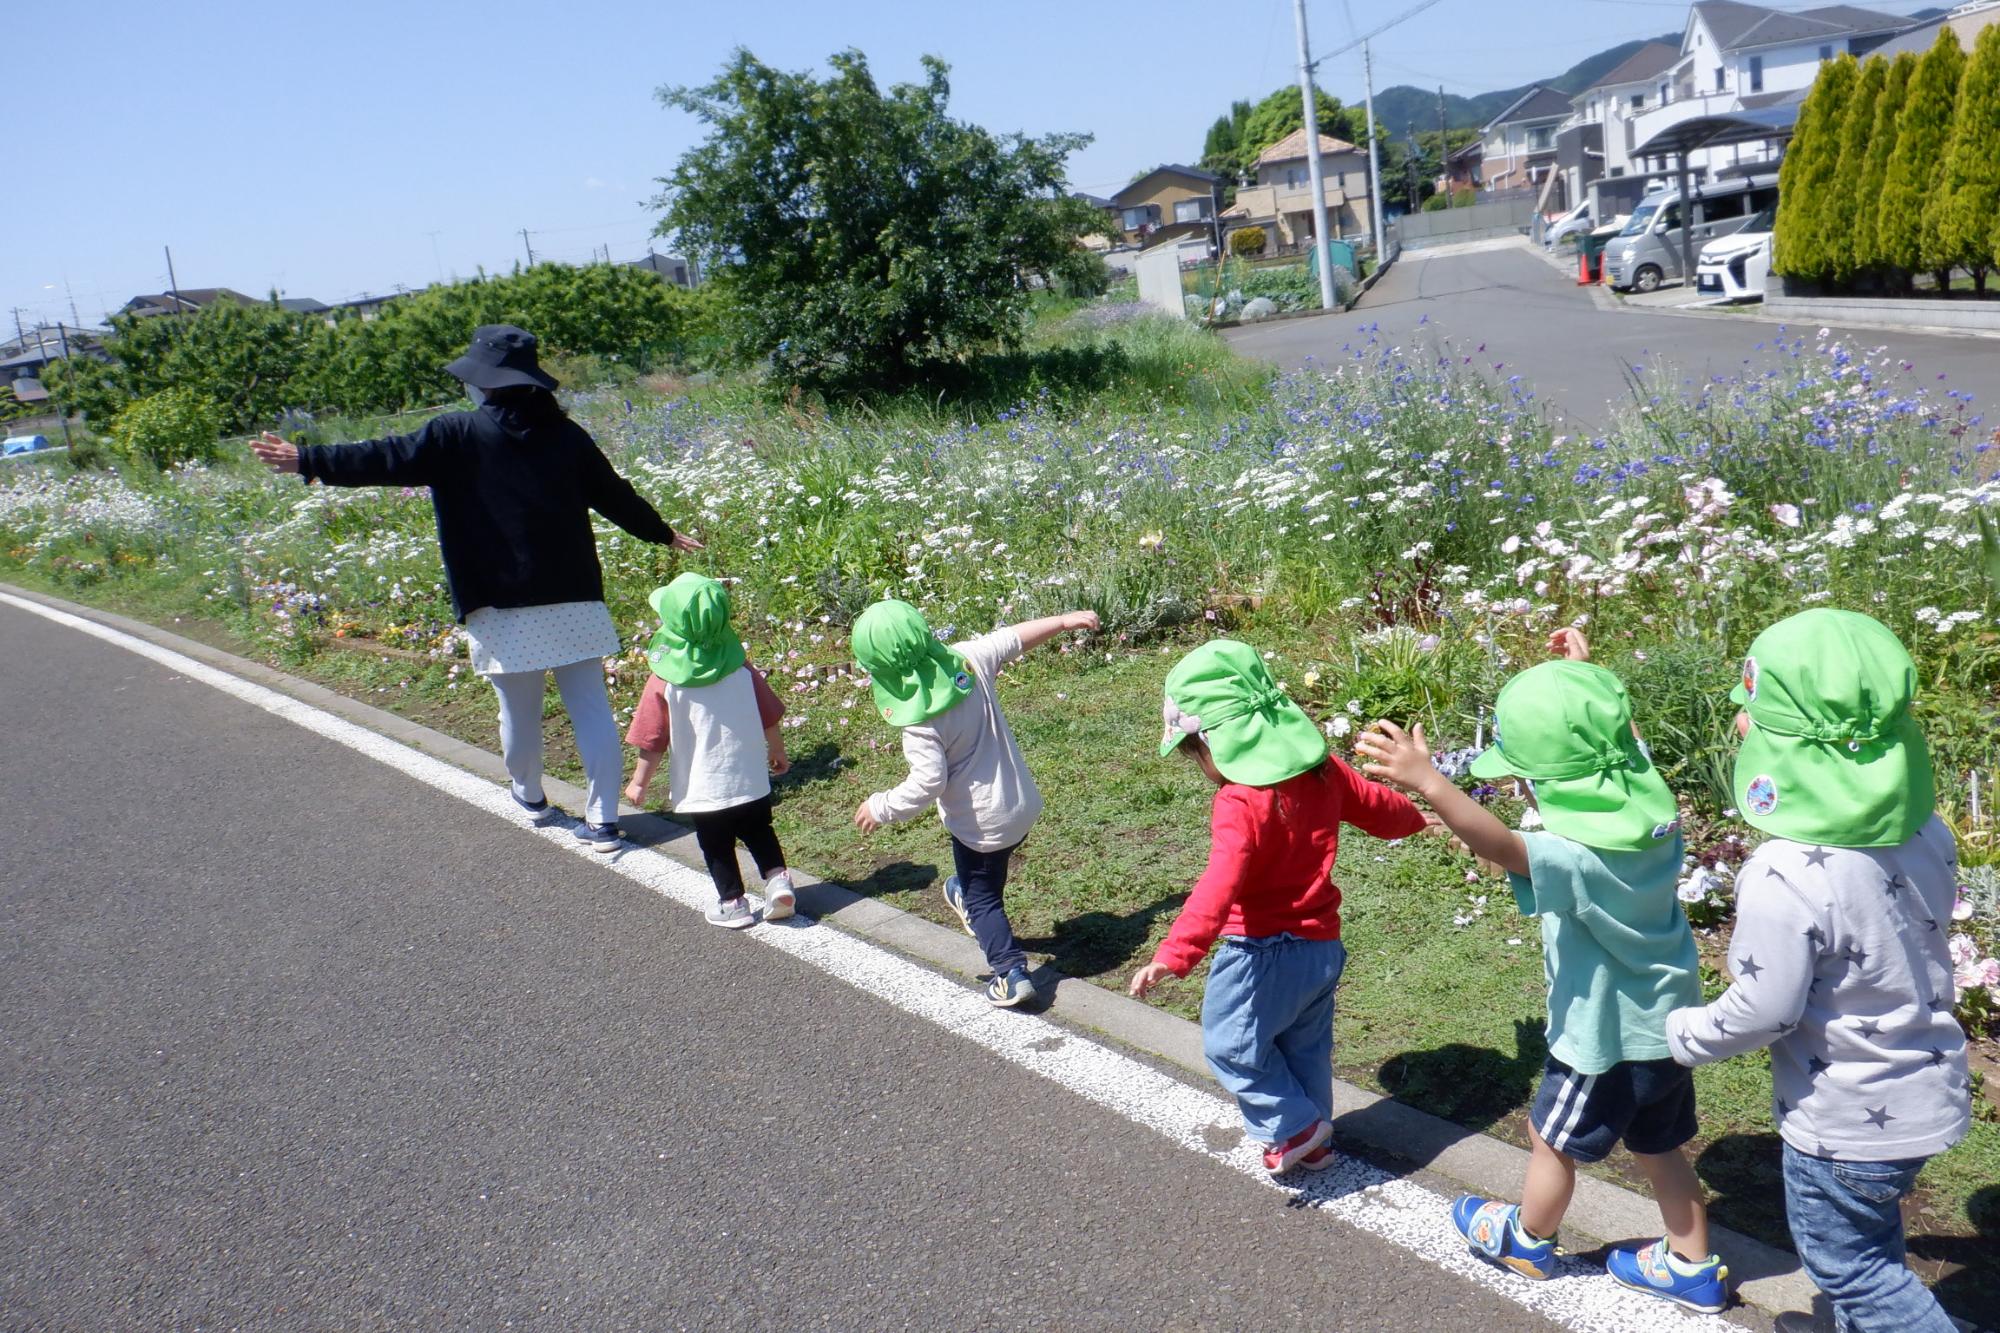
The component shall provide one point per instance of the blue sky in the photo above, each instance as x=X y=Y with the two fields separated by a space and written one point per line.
x=331 y=150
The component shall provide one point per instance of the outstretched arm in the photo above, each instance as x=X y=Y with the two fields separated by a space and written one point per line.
x=394 y=460
x=614 y=497
x=1034 y=633
x=1403 y=758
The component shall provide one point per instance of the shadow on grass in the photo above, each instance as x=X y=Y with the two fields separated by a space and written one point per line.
x=822 y=763
x=1746 y=1185
x=1098 y=942
x=1472 y=1086
x=1965 y=1270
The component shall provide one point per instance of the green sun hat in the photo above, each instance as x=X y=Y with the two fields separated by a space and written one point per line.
x=1833 y=756
x=1567 y=728
x=1223 y=692
x=913 y=675
x=695 y=644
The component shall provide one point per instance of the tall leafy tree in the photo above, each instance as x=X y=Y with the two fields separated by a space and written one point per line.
x=1805 y=182
x=1284 y=111
x=1917 y=160
x=1959 y=216
x=864 y=240
x=1865 y=253
x=1221 y=150
x=1844 y=201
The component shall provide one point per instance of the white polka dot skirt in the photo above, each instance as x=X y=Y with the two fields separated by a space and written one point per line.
x=537 y=638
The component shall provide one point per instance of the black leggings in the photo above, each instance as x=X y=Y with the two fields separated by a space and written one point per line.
x=717 y=832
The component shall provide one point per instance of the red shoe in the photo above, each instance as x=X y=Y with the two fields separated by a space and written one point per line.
x=1320 y=1158
x=1284 y=1156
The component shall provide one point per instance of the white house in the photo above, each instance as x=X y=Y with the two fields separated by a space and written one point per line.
x=1636 y=85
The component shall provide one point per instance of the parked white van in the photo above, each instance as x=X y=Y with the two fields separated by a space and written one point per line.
x=1736 y=267
x=1648 y=252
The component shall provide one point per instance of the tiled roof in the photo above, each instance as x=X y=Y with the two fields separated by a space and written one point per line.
x=1292 y=147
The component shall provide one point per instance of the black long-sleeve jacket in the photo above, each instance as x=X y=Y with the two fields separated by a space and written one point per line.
x=513 y=506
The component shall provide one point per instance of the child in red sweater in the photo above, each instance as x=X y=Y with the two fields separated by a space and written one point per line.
x=1267 y=1014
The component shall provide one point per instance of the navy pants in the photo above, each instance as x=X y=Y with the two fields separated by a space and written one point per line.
x=982 y=876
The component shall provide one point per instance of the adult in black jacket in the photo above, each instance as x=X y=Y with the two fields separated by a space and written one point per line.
x=513 y=483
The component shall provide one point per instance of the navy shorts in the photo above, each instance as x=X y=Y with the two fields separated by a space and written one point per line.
x=1647 y=1103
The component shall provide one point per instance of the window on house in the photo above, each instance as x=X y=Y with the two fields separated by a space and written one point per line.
x=1190 y=210
x=1663 y=94
x=1720 y=75
x=1826 y=53
x=1756 y=74
x=1638 y=100
x=1135 y=218
x=1297 y=178
x=1539 y=139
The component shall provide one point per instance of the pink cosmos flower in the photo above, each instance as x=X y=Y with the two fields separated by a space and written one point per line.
x=1788 y=515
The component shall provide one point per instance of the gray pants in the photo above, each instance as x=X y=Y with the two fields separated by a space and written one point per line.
x=589 y=709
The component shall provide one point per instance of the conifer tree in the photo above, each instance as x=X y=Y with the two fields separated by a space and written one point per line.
x=1867 y=256
x=1805 y=180
x=1844 y=211
x=1918 y=158
x=1959 y=217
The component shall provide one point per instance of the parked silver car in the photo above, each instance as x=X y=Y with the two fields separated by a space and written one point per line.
x=1648 y=252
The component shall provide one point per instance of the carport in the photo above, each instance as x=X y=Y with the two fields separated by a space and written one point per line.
x=1723 y=131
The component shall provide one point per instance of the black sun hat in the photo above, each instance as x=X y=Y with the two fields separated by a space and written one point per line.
x=500 y=357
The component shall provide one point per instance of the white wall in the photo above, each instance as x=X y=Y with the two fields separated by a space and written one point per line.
x=1160 y=280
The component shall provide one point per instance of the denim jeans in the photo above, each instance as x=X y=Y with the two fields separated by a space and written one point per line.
x=1267 y=1029
x=982 y=877
x=1847 y=1222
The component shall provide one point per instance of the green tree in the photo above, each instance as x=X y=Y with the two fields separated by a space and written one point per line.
x=1282 y=112
x=1864 y=244
x=1922 y=129
x=866 y=240
x=1248 y=241
x=1959 y=216
x=168 y=428
x=1844 y=202
x=1220 y=150
x=1808 y=225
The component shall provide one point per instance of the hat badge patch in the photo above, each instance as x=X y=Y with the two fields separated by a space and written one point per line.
x=1761 y=797
x=1750 y=677
x=962 y=680
x=1666 y=830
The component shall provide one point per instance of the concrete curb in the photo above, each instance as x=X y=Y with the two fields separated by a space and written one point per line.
x=1375 y=1126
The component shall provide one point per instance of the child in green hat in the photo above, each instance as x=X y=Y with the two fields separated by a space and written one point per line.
x=962 y=759
x=1839 y=955
x=719 y=717
x=1618 y=954
x=1268 y=893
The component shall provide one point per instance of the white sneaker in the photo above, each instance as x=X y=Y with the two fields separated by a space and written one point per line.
x=780 y=900
x=732 y=915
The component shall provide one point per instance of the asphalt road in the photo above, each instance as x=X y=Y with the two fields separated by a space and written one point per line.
x=294 y=1041
x=1510 y=310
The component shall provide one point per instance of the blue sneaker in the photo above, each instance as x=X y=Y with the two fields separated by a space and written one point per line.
x=1010 y=988
x=1493 y=1231
x=1656 y=1271
x=538 y=812
x=954 y=897
x=598 y=837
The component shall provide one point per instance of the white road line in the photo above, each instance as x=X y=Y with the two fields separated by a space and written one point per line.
x=1580 y=1297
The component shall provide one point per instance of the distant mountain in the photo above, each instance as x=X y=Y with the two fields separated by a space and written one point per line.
x=1398 y=108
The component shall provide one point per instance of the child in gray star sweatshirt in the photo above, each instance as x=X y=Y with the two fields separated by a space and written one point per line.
x=1839 y=957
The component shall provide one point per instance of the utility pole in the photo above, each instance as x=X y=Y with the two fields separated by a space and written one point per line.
x=528 y=246
x=1444 y=147
x=1374 y=161
x=62 y=409
x=1410 y=132
x=1322 y=256
x=75 y=320
x=174 y=284
x=19 y=336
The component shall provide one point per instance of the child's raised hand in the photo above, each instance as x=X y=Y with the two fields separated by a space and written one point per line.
x=1081 y=620
x=1396 y=755
x=1570 y=643
x=864 y=818
x=1149 y=976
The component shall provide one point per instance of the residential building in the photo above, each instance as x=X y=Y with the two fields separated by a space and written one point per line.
x=1966 y=20
x=23 y=359
x=1739 y=57
x=1636 y=84
x=671 y=268
x=1461 y=168
x=1162 y=197
x=1094 y=241
x=186 y=300
x=1280 y=198
x=1519 y=145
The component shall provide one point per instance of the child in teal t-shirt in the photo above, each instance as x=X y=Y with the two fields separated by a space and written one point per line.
x=1619 y=957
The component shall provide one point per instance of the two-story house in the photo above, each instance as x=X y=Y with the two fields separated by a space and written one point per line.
x=1163 y=197
x=1280 y=198
x=1636 y=84
x=1519 y=144
x=1741 y=57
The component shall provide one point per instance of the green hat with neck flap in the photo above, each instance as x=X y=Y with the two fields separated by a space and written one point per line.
x=914 y=677
x=695 y=644
x=1223 y=692
x=1833 y=756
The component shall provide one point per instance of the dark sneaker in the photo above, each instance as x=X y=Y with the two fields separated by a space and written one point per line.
x=735 y=914
x=539 y=812
x=598 y=837
x=1008 y=989
x=1494 y=1232
x=780 y=898
x=1284 y=1156
x=1656 y=1270
x=954 y=897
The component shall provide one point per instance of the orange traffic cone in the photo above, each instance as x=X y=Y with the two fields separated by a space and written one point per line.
x=1583 y=268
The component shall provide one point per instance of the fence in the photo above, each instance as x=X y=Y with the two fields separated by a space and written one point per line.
x=1508 y=215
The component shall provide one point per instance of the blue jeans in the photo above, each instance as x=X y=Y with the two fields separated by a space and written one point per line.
x=1267 y=1030
x=1847 y=1222
x=982 y=878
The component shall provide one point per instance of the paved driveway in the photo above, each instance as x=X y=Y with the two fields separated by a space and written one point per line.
x=1515 y=313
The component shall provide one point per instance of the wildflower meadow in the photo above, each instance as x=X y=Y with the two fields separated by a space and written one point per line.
x=1399 y=530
